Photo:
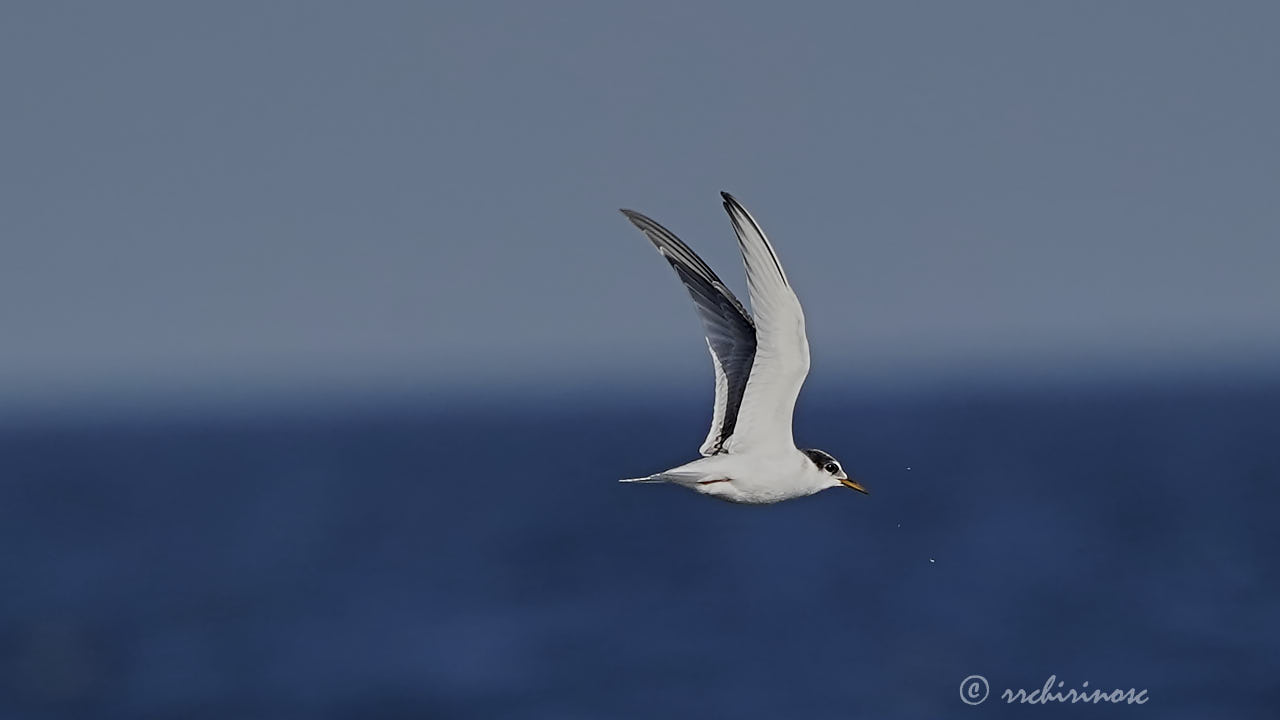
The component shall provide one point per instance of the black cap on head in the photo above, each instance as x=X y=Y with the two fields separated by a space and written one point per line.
x=818 y=457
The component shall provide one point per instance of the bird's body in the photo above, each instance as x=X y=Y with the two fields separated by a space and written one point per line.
x=760 y=362
x=753 y=478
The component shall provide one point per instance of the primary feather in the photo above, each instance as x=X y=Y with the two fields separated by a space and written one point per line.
x=730 y=331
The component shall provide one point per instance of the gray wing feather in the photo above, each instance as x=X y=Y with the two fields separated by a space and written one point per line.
x=730 y=331
x=782 y=351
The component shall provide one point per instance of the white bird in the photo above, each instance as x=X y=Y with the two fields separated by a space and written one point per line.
x=749 y=455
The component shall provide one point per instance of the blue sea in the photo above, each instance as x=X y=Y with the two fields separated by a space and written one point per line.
x=460 y=559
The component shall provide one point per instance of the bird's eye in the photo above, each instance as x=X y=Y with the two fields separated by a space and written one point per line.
x=831 y=468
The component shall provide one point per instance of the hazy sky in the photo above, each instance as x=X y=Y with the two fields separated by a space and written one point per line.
x=353 y=194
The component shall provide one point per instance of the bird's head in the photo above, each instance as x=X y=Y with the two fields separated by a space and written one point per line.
x=830 y=468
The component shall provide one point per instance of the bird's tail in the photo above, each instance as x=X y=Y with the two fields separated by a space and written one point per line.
x=650 y=479
x=665 y=477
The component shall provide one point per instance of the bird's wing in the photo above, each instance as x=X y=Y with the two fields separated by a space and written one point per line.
x=782 y=348
x=731 y=335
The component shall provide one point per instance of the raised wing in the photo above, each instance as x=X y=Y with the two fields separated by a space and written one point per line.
x=782 y=348
x=731 y=335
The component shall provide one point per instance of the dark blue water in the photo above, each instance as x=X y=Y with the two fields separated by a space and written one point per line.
x=454 y=562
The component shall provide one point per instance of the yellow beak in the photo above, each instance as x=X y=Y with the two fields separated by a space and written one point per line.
x=853 y=485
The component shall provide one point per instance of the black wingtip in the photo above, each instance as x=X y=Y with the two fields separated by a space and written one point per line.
x=636 y=218
x=729 y=199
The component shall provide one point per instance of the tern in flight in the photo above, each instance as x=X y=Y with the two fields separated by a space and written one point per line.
x=760 y=361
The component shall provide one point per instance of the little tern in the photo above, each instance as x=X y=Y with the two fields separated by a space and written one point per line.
x=760 y=363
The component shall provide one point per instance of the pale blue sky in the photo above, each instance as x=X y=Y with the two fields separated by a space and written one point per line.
x=356 y=195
